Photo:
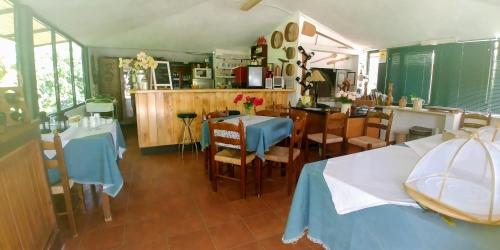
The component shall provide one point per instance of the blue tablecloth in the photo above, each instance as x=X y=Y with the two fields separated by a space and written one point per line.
x=93 y=160
x=381 y=227
x=259 y=137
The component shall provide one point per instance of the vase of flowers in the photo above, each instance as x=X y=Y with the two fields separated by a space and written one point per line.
x=138 y=67
x=345 y=98
x=249 y=103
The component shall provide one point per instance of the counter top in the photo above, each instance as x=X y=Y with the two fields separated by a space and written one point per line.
x=423 y=110
x=325 y=110
x=208 y=90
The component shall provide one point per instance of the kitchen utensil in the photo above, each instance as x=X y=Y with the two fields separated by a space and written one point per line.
x=291 y=32
x=309 y=29
x=283 y=61
x=277 y=70
x=290 y=69
x=276 y=39
x=290 y=52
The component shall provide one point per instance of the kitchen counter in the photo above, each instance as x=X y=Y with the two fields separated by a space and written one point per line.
x=209 y=90
x=156 y=110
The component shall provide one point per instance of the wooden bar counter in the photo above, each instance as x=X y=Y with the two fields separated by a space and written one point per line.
x=156 y=110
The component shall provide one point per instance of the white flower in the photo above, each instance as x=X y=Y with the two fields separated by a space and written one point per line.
x=338 y=95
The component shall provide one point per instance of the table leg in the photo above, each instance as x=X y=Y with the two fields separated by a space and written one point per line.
x=106 y=208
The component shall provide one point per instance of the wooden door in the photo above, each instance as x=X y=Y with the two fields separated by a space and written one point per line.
x=110 y=81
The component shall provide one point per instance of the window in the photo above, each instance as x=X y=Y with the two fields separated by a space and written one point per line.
x=59 y=69
x=8 y=64
x=462 y=75
x=44 y=66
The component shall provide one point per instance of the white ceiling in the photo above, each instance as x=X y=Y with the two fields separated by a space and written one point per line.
x=203 y=25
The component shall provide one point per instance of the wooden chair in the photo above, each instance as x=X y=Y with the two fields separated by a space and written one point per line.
x=65 y=184
x=366 y=142
x=205 y=116
x=474 y=120
x=291 y=155
x=233 y=152
x=294 y=113
x=333 y=123
x=267 y=112
x=214 y=114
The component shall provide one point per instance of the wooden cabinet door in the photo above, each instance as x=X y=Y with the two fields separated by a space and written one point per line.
x=110 y=81
x=27 y=219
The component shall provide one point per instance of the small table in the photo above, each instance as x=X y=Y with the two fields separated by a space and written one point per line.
x=262 y=132
x=91 y=156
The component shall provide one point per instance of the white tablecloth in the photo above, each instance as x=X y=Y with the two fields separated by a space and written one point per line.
x=74 y=132
x=370 y=178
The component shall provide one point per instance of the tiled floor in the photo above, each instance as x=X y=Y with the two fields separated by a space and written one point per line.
x=168 y=203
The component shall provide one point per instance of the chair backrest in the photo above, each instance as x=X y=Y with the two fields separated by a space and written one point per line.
x=294 y=113
x=381 y=116
x=298 y=131
x=215 y=114
x=267 y=112
x=335 y=121
x=474 y=120
x=227 y=135
x=58 y=161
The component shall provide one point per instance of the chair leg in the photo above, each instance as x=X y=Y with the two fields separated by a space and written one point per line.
x=269 y=168
x=307 y=150
x=243 y=181
x=323 y=151
x=290 y=178
x=258 y=168
x=282 y=169
x=215 y=175
x=69 y=211
x=81 y=197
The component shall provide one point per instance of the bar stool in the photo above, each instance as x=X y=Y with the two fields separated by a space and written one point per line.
x=187 y=119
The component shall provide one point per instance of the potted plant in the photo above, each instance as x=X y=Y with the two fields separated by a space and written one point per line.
x=345 y=98
x=417 y=102
x=138 y=66
x=250 y=101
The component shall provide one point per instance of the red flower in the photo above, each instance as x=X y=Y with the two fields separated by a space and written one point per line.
x=258 y=101
x=238 y=98
x=249 y=98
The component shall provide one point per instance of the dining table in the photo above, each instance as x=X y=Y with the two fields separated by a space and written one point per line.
x=261 y=132
x=357 y=201
x=91 y=156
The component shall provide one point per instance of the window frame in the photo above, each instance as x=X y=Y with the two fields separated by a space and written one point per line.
x=53 y=31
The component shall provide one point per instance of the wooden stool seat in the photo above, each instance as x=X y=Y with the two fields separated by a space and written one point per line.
x=330 y=138
x=233 y=156
x=364 y=141
x=280 y=154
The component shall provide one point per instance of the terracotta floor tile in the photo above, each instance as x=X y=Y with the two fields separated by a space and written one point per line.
x=137 y=233
x=154 y=245
x=191 y=241
x=248 y=207
x=249 y=246
x=275 y=243
x=105 y=238
x=168 y=203
x=264 y=225
x=230 y=235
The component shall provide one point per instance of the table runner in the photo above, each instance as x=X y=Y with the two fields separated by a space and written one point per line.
x=260 y=136
x=382 y=227
x=370 y=178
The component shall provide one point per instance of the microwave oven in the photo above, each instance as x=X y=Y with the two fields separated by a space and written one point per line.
x=202 y=73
